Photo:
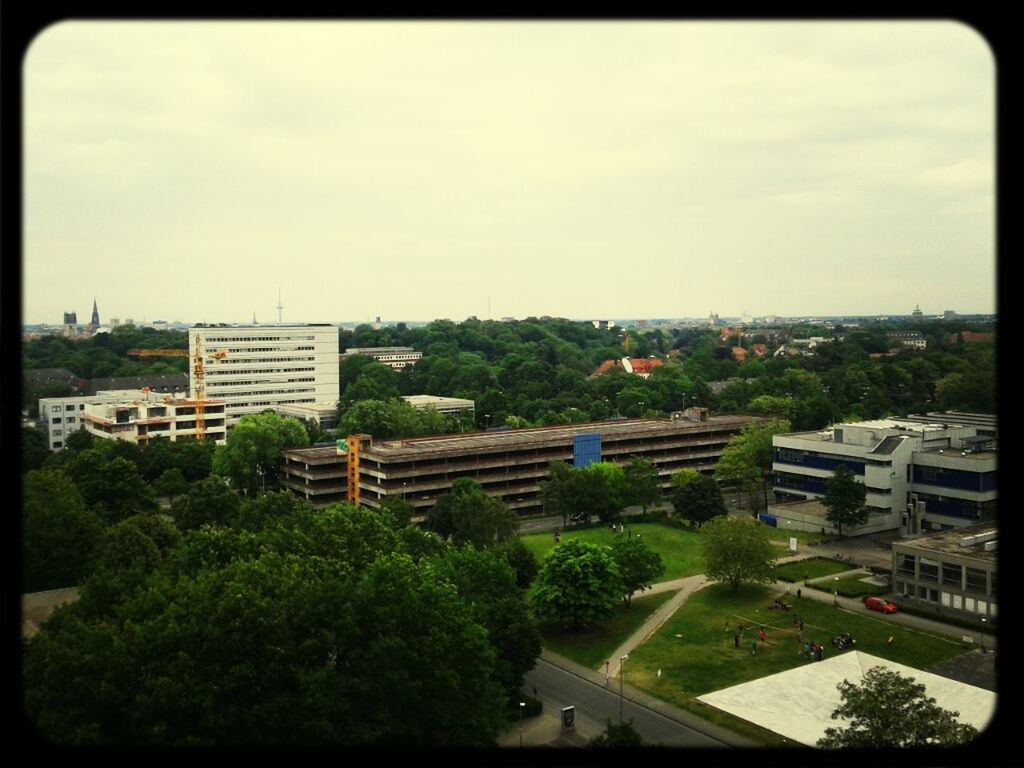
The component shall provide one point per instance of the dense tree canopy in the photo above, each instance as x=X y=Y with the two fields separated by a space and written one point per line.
x=317 y=629
x=468 y=515
x=59 y=534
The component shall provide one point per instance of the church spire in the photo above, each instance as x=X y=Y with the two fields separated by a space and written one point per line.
x=95 y=313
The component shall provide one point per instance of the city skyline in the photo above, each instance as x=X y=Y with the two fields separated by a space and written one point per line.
x=416 y=170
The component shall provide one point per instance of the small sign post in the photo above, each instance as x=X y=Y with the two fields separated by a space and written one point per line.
x=792 y=543
x=568 y=718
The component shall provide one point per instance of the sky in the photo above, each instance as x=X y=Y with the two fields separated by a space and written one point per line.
x=191 y=171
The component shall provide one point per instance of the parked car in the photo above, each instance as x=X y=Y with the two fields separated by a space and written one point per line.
x=878 y=604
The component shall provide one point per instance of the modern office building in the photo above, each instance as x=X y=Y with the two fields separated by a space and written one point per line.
x=509 y=465
x=253 y=368
x=953 y=570
x=394 y=357
x=142 y=419
x=935 y=472
x=449 y=405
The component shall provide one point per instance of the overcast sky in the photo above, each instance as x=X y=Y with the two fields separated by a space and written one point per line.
x=417 y=170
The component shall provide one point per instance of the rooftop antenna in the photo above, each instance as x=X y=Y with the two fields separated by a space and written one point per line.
x=280 y=306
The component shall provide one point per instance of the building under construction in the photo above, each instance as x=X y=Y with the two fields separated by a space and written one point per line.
x=509 y=465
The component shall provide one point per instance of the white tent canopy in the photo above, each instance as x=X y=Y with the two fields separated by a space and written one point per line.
x=798 y=703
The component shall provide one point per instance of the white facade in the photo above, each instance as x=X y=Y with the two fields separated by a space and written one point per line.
x=394 y=357
x=253 y=368
x=449 y=405
x=139 y=420
x=63 y=416
x=918 y=476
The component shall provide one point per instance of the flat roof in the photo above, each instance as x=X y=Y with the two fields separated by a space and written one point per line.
x=799 y=703
x=316 y=452
x=515 y=438
x=435 y=400
x=948 y=542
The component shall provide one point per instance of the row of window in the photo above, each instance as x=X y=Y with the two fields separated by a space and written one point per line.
x=250 y=360
x=225 y=339
x=261 y=371
x=57 y=408
x=953 y=574
x=279 y=348
x=229 y=384
x=265 y=392
x=947 y=599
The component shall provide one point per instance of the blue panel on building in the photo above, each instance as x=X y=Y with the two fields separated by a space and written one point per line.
x=769 y=520
x=586 y=450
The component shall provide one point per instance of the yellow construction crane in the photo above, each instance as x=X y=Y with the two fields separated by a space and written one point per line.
x=198 y=371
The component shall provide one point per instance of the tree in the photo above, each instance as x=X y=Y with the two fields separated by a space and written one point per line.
x=558 y=492
x=578 y=584
x=844 y=499
x=888 y=710
x=208 y=501
x=171 y=483
x=737 y=549
x=252 y=453
x=642 y=483
x=467 y=514
x=746 y=460
x=309 y=633
x=254 y=514
x=34 y=448
x=638 y=565
x=522 y=561
x=601 y=489
x=486 y=582
x=695 y=497
x=59 y=534
x=618 y=735
x=112 y=488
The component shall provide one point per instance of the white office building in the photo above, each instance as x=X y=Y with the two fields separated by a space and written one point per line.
x=930 y=473
x=253 y=368
x=396 y=358
x=448 y=405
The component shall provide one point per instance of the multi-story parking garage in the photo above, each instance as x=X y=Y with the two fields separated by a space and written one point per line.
x=509 y=465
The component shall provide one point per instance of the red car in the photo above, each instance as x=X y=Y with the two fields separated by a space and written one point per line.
x=878 y=604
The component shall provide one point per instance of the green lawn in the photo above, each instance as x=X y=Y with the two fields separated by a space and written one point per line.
x=592 y=648
x=704 y=659
x=679 y=548
x=850 y=586
x=812 y=568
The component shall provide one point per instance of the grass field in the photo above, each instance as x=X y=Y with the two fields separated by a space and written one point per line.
x=594 y=647
x=703 y=659
x=679 y=549
x=813 y=568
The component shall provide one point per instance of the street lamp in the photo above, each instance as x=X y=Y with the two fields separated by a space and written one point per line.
x=622 y=674
x=403 y=490
x=983 y=620
x=522 y=706
x=835 y=592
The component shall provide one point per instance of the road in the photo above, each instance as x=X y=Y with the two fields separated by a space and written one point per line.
x=564 y=684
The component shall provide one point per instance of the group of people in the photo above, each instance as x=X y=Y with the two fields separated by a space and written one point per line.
x=843 y=641
x=781 y=605
x=814 y=650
